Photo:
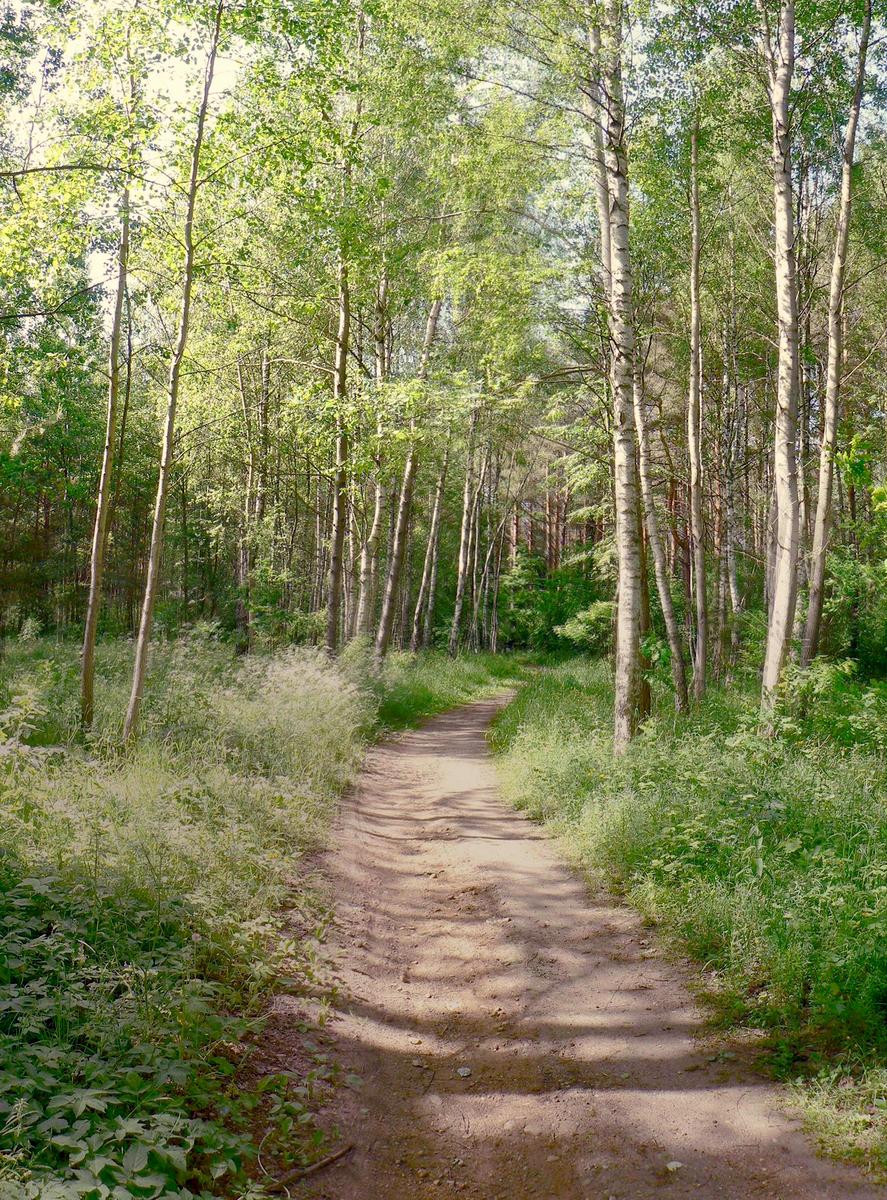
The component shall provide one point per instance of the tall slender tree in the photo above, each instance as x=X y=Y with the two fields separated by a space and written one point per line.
x=405 y=502
x=779 y=57
x=622 y=344
x=106 y=478
x=835 y=357
x=155 y=555
x=694 y=424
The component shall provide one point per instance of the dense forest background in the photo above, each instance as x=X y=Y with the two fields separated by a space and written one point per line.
x=345 y=347
x=352 y=260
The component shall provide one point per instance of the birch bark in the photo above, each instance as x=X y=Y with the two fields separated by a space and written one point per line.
x=155 y=555
x=694 y=429
x=780 y=61
x=823 y=518
x=430 y=551
x=405 y=504
x=369 y=554
x=340 y=484
x=104 y=500
x=660 y=566
x=464 y=538
x=627 y=657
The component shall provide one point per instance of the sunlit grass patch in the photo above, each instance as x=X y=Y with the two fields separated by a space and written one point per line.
x=410 y=687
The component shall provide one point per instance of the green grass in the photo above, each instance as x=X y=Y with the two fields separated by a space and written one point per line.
x=142 y=898
x=414 y=689
x=765 y=859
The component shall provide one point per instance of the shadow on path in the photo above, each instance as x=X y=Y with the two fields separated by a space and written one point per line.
x=463 y=944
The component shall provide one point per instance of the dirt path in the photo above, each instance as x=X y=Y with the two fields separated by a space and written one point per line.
x=465 y=945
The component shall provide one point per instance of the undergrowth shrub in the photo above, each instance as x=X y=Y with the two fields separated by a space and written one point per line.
x=142 y=898
x=765 y=858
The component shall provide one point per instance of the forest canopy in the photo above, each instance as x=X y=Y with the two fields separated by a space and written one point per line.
x=438 y=323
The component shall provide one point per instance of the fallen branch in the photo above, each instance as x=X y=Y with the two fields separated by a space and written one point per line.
x=303 y=1172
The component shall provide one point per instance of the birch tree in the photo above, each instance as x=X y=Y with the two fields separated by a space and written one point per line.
x=628 y=604
x=694 y=423
x=155 y=555
x=106 y=480
x=778 y=46
x=835 y=357
x=405 y=503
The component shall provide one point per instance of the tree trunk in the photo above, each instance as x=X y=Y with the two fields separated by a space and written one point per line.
x=464 y=539
x=736 y=600
x=383 y=637
x=350 y=556
x=596 y=117
x=474 y=544
x=104 y=500
x=156 y=552
x=430 y=552
x=185 y=563
x=822 y=521
x=428 y=628
x=645 y=624
x=694 y=428
x=244 y=549
x=627 y=659
x=660 y=567
x=780 y=63
x=369 y=555
x=340 y=495
x=340 y=382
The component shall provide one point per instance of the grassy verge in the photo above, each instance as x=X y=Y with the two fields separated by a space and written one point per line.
x=765 y=859
x=141 y=900
x=412 y=689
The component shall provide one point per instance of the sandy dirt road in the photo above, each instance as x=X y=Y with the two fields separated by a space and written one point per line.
x=517 y=1038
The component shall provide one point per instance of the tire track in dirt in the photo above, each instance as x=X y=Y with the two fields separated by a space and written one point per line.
x=519 y=1039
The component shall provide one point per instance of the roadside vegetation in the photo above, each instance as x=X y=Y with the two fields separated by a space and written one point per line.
x=765 y=858
x=371 y=327
x=143 y=898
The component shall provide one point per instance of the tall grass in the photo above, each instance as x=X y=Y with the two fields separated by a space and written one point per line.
x=766 y=859
x=141 y=901
x=411 y=689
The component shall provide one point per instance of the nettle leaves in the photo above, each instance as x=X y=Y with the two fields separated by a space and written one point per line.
x=99 y=1020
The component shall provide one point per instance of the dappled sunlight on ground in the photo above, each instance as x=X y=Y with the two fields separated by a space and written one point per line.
x=515 y=1036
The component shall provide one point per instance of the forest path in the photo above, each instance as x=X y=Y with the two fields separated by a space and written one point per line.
x=464 y=942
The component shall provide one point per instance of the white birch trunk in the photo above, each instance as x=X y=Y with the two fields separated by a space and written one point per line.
x=823 y=518
x=340 y=484
x=405 y=504
x=430 y=549
x=155 y=555
x=104 y=499
x=369 y=555
x=660 y=566
x=464 y=539
x=627 y=658
x=780 y=63
x=694 y=429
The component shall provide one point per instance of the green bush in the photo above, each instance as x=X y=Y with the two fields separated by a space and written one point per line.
x=591 y=630
x=533 y=601
x=855 y=608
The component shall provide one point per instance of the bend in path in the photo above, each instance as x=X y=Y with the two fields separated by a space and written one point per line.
x=464 y=942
